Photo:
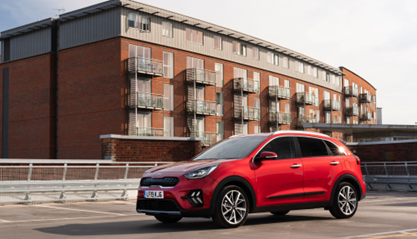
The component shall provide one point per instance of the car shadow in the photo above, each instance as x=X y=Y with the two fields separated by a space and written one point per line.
x=153 y=226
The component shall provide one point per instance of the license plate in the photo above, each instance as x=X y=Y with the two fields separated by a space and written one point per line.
x=154 y=194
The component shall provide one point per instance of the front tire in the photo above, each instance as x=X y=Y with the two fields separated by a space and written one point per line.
x=345 y=202
x=167 y=219
x=231 y=207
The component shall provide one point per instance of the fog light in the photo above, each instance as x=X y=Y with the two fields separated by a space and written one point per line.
x=195 y=198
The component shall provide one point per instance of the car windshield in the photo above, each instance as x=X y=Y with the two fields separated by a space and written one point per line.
x=234 y=148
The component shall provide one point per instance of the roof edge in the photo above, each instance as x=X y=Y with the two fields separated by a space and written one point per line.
x=27 y=28
x=342 y=67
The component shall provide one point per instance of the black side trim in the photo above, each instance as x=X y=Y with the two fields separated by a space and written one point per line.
x=297 y=195
x=184 y=213
x=295 y=206
x=5 y=126
x=340 y=179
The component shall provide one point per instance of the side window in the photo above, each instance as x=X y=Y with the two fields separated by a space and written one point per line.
x=334 y=148
x=283 y=147
x=311 y=147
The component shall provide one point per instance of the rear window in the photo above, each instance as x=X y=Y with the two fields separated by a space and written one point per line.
x=311 y=147
x=334 y=148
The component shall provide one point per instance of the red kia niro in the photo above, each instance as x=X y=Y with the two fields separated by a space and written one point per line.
x=273 y=172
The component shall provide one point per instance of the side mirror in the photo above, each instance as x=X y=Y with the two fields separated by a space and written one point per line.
x=266 y=155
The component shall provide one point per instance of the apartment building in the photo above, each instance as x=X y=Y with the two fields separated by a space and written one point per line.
x=123 y=67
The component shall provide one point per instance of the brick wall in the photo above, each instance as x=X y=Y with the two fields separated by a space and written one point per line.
x=385 y=151
x=145 y=149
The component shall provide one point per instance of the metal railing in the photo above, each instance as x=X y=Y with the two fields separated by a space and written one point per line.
x=366 y=98
x=247 y=85
x=280 y=117
x=366 y=116
x=279 y=91
x=335 y=105
x=148 y=131
x=247 y=113
x=146 y=100
x=208 y=138
x=201 y=76
x=305 y=98
x=391 y=175
x=350 y=111
x=146 y=66
x=23 y=181
x=302 y=119
x=204 y=107
x=332 y=105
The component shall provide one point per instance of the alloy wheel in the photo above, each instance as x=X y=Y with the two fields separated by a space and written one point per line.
x=233 y=207
x=347 y=200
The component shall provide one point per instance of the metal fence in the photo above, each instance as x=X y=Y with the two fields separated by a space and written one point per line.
x=388 y=176
x=53 y=180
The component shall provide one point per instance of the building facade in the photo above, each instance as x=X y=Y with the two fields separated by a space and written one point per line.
x=123 y=67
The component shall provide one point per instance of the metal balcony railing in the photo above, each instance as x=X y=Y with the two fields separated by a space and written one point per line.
x=305 y=98
x=366 y=98
x=145 y=66
x=366 y=116
x=146 y=100
x=247 y=85
x=335 y=105
x=302 y=119
x=280 y=117
x=201 y=76
x=208 y=138
x=352 y=111
x=145 y=131
x=203 y=107
x=247 y=113
x=279 y=91
x=348 y=90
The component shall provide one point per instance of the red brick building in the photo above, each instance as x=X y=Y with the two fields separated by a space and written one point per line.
x=123 y=67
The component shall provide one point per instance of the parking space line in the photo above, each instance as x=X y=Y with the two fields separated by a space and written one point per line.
x=80 y=210
x=1 y=220
x=381 y=234
x=66 y=218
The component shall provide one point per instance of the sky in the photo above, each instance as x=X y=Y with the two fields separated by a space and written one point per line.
x=376 y=39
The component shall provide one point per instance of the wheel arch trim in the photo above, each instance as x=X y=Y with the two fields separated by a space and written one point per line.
x=343 y=177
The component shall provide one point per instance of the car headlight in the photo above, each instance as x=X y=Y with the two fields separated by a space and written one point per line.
x=201 y=172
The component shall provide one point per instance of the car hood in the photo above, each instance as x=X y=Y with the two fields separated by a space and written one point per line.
x=180 y=168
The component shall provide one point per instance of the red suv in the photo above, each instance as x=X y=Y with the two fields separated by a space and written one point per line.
x=274 y=172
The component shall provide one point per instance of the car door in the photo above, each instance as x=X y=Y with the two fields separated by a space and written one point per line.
x=279 y=181
x=321 y=169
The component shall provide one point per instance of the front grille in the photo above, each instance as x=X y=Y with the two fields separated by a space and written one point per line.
x=158 y=205
x=164 y=182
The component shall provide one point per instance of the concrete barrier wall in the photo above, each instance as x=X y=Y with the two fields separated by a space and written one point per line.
x=405 y=150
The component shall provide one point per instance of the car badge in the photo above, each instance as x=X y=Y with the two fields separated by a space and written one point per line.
x=159 y=175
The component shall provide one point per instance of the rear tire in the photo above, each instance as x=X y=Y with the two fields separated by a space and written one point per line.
x=231 y=208
x=345 y=202
x=168 y=219
x=282 y=213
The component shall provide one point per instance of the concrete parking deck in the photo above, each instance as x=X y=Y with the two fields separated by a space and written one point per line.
x=380 y=215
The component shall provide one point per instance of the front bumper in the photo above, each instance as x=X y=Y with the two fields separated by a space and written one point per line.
x=172 y=211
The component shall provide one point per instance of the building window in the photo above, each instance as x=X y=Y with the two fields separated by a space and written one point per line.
x=328 y=119
x=257 y=129
x=140 y=22
x=168 y=65
x=140 y=52
x=168 y=126
x=315 y=72
x=219 y=103
x=255 y=53
x=300 y=67
x=239 y=49
x=166 y=29
x=347 y=120
x=195 y=63
x=335 y=118
x=6 y=44
x=272 y=58
x=285 y=62
x=168 y=97
x=194 y=36
x=309 y=70
x=220 y=131
x=327 y=76
x=219 y=74
x=217 y=42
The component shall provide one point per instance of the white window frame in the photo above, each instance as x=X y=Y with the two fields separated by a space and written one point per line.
x=171 y=126
x=197 y=34
x=169 y=96
x=219 y=40
x=166 y=32
x=255 y=53
x=170 y=64
x=285 y=62
x=220 y=105
x=300 y=67
x=219 y=74
x=272 y=58
x=138 y=22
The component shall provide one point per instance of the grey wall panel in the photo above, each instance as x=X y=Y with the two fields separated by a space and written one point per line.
x=30 y=44
x=91 y=28
x=178 y=41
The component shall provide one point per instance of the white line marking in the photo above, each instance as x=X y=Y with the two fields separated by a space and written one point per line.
x=67 y=218
x=64 y=208
x=1 y=220
x=131 y=203
x=382 y=233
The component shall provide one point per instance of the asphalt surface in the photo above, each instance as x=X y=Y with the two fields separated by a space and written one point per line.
x=380 y=215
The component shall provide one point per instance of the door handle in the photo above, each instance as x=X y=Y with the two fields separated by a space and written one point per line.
x=296 y=166
x=334 y=163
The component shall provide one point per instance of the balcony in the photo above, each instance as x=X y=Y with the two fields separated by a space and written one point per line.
x=352 y=111
x=305 y=98
x=280 y=117
x=331 y=105
x=246 y=85
x=145 y=131
x=351 y=91
x=208 y=138
x=335 y=105
x=145 y=66
x=366 y=98
x=366 y=116
x=146 y=101
x=279 y=92
x=201 y=76
x=202 y=107
x=247 y=113
x=303 y=119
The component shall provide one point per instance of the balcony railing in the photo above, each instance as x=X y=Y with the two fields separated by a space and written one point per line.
x=147 y=131
x=351 y=91
x=366 y=98
x=305 y=98
x=280 y=117
x=146 y=100
x=279 y=91
x=366 y=116
x=201 y=76
x=335 y=105
x=247 y=113
x=331 y=105
x=247 y=85
x=203 y=107
x=208 y=138
x=302 y=119
x=352 y=111
x=145 y=66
